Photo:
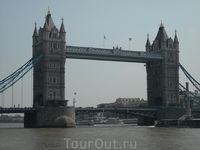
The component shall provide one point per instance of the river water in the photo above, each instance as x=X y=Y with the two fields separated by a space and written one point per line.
x=101 y=137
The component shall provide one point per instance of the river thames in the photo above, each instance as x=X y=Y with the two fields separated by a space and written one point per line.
x=101 y=137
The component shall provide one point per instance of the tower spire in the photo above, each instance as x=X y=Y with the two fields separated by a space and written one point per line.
x=161 y=24
x=161 y=35
x=62 y=28
x=35 y=33
x=48 y=12
x=175 y=37
x=148 y=42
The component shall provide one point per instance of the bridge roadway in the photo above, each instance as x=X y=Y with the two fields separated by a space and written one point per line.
x=114 y=54
x=144 y=112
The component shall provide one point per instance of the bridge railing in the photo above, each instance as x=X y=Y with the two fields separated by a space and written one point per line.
x=17 y=110
x=111 y=109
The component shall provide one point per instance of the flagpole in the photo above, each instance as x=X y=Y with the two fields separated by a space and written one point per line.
x=104 y=38
x=103 y=42
x=129 y=39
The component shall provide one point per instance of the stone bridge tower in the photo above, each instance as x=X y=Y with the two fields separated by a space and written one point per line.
x=49 y=79
x=163 y=78
x=49 y=73
x=163 y=75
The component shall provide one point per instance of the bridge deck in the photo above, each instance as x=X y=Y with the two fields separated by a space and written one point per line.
x=17 y=110
x=140 y=111
x=111 y=54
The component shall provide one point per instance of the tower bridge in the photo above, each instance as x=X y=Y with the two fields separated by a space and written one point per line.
x=50 y=50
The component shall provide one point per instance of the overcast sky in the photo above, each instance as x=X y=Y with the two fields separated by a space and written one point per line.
x=86 y=22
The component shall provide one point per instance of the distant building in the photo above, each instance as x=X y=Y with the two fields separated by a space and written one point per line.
x=125 y=103
x=130 y=102
x=188 y=103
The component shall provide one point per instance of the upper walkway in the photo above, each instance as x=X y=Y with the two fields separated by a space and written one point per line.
x=114 y=54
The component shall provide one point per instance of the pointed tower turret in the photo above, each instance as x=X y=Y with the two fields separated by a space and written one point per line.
x=176 y=42
x=62 y=27
x=62 y=31
x=148 y=44
x=35 y=35
x=45 y=31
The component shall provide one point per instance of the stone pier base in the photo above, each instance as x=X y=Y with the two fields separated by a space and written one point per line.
x=172 y=113
x=165 y=113
x=53 y=117
x=145 y=121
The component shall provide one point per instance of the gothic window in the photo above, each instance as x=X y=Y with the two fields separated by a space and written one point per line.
x=171 y=96
x=171 y=84
x=170 y=71
x=54 y=93
x=54 y=65
x=174 y=96
x=50 y=65
x=58 y=93
x=50 y=92
x=50 y=80
x=54 y=45
x=57 y=80
x=173 y=71
x=58 y=65
x=54 y=35
x=54 y=80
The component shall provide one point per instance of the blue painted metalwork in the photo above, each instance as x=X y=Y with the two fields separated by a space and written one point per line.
x=195 y=110
x=191 y=97
x=192 y=80
x=144 y=112
x=111 y=54
x=18 y=74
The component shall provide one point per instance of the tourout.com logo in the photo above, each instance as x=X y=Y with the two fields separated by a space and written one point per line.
x=100 y=144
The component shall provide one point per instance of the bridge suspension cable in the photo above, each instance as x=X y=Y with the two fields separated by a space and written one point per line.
x=18 y=74
x=192 y=80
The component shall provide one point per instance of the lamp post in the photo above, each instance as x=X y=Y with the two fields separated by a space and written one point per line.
x=74 y=100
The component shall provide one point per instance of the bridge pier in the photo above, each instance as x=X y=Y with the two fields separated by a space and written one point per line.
x=172 y=113
x=145 y=121
x=165 y=113
x=55 y=117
